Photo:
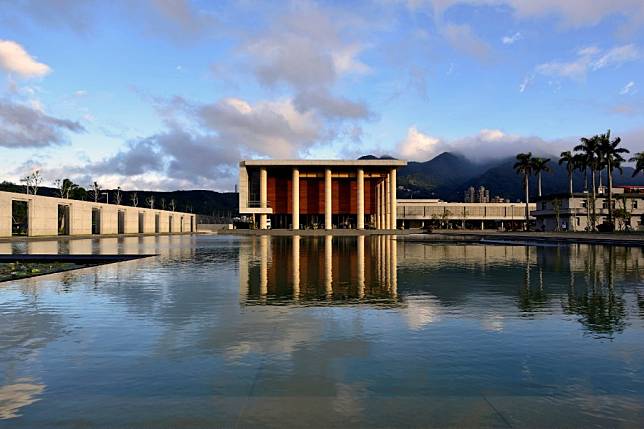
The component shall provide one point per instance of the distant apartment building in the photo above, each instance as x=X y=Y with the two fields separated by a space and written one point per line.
x=480 y=195
x=565 y=212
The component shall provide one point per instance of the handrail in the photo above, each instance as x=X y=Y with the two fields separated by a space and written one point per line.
x=258 y=204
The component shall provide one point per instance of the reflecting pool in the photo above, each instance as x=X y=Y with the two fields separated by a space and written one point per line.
x=325 y=332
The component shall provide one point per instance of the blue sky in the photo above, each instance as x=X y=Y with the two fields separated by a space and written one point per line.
x=170 y=94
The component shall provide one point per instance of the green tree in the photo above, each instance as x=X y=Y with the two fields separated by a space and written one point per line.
x=523 y=166
x=540 y=165
x=611 y=155
x=571 y=165
x=588 y=148
x=638 y=159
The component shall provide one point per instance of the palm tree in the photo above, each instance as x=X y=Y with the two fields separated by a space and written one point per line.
x=524 y=166
x=540 y=165
x=588 y=148
x=638 y=159
x=571 y=165
x=611 y=155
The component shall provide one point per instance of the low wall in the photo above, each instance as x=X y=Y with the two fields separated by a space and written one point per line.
x=211 y=227
x=43 y=217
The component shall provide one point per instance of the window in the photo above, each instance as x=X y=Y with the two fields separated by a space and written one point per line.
x=578 y=221
x=634 y=203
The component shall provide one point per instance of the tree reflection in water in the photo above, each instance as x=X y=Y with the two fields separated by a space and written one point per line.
x=532 y=299
x=600 y=306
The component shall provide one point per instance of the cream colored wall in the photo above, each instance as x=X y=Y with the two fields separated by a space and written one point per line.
x=5 y=214
x=43 y=216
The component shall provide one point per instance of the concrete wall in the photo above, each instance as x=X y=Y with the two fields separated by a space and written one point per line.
x=43 y=217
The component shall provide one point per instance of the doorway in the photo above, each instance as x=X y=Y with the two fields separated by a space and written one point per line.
x=121 y=222
x=63 y=219
x=19 y=218
x=170 y=219
x=156 y=223
x=96 y=221
x=141 y=222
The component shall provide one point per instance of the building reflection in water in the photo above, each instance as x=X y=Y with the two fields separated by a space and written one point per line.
x=319 y=270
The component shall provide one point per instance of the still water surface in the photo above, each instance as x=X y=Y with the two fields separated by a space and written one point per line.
x=321 y=331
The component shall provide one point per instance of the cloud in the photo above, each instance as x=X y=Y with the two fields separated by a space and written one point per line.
x=617 y=56
x=15 y=59
x=590 y=59
x=527 y=81
x=572 y=13
x=266 y=128
x=487 y=144
x=307 y=51
x=509 y=40
x=330 y=106
x=629 y=88
x=24 y=126
x=71 y=14
x=461 y=37
x=417 y=146
x=176 y=18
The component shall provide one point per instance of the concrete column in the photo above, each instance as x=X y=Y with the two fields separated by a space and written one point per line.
x=328 y=265
x=296 y=198
x=360 y=223
x=392 y=199
x=381 y=205
x=328 y=200
x=394 y=268
x=360 y=267
x=376 y=197
x=263 y=196
x=387 y=202
x=263 y=266
x=296 y=266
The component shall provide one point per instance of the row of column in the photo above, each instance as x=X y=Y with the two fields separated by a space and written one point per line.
x=384 y=252
x=385 y=216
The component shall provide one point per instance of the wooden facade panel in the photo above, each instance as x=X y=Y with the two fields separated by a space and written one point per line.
x=312 y=198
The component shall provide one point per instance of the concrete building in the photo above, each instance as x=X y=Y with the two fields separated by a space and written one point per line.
x=480 y=195
x=36 y=215
x=319 y=194
x=437 y=213
x=565 y=212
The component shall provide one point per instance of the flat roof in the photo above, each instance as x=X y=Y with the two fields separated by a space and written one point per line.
x=323 y=163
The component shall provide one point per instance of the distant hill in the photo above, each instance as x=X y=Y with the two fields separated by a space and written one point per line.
x=440 y=177
x=448 y=175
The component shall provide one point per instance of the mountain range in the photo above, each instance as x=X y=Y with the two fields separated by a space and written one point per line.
x=445 y=176
x=448 y=175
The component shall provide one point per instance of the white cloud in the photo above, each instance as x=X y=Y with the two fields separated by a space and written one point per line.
x=15 y=59
x=509 y=40
x=417 y=146
x=485 y=145
x=617 y=56
x=590 y=59
x=527 y=80
x=628 y=88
